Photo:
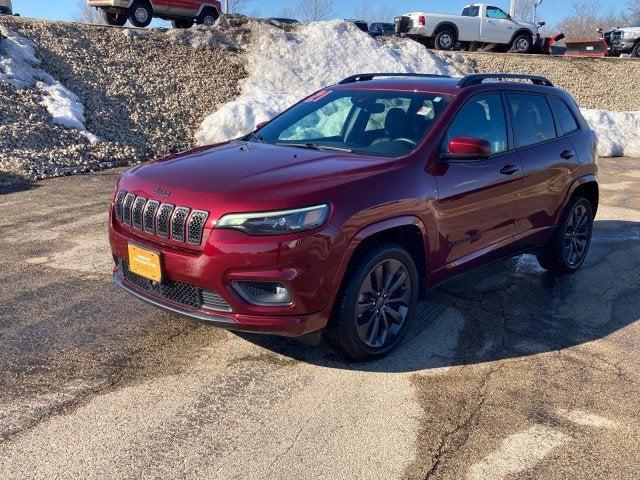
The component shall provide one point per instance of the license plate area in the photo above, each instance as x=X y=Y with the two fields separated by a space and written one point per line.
x=145 y=263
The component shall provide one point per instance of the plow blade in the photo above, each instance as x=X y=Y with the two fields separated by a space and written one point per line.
x=591 y=48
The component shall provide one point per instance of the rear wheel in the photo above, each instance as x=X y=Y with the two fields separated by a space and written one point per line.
x=377 y=303
x=523 y=43
x=636 y=50
x=140 y=14
x=182 y=22
x=208 y=17
x=446 y=39
x=570 y=242
x=117 y=19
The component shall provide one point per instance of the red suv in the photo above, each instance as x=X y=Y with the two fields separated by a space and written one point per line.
x=337 y=215
x=182 y=13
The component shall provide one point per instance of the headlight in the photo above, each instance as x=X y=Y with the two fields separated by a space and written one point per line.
x=629 y=34
x=276 y=223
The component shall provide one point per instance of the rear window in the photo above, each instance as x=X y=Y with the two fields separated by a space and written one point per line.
x=471 y=11
x=532 y=119
x=566 y=121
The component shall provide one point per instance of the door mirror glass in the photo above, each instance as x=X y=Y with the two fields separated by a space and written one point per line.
x=468 y=147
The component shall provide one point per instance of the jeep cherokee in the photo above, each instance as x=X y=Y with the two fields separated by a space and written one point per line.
x=338 y=214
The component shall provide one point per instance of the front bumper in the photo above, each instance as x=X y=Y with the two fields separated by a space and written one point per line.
x=623 y=45
x=110 y=3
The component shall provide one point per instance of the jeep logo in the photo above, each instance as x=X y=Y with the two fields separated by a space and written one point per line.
x=161 y=192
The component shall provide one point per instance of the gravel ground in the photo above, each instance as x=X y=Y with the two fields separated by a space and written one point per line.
x=143 y=98
x=601 y=83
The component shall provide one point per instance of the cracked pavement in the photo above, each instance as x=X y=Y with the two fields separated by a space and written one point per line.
x=508 y=372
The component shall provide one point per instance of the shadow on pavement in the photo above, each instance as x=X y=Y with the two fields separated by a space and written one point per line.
x=508 y=310
x=11 y=183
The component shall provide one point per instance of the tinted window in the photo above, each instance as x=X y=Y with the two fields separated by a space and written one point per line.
x=566 y=121
x=495 y=12
x=483 y=117
x=532 y=119
x=471 y=11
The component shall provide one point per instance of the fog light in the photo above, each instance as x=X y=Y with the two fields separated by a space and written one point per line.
x=270 y=294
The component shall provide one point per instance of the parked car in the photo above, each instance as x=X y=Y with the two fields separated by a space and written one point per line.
x=626 y=40
x=337 y=215
x=379 y=29
x=288 y=21
x=477 y=24
x=182 y=13
x=5 y=7
x=361 y=24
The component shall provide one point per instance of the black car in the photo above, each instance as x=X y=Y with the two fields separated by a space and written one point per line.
x=380 y=29
x=288 y=21
x=361 y=24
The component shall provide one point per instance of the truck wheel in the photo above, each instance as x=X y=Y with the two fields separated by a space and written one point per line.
x=140 y=14
x=523 y=43
x=208 y=17
x=376 y=304
x=446 y=39
x=182 y=22
x=636 y=50
x=117 y=19
x=570 y=241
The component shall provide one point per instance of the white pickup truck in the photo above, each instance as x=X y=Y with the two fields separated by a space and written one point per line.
x=478 y=23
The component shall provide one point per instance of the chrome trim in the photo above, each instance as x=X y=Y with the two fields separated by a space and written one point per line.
x=126 y=211
x=134 y=223
x=215 y=319
x=170 y=215
x=204 y=222
x=119 y=203
x=175 y=218
x=150 y=203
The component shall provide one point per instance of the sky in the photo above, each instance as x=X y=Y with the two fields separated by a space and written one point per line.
x=550 y=11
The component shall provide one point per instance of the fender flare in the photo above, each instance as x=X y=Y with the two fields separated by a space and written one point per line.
x=447 y=24
x=520 y=31
x=367 y=232
x=589 y=178
x=207 y=5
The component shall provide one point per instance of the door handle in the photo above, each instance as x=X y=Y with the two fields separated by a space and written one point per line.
x=509 y=169
x=567 y=154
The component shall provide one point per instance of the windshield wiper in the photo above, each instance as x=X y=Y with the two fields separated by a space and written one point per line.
x=254 y=136
x=313 y=146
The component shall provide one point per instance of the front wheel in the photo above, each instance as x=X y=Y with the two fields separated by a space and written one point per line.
x=208 y=17
x=445 y=39
x=523 y=43
x=570 y=242
x=376 y=304
x=115 y=19
x=140 y=14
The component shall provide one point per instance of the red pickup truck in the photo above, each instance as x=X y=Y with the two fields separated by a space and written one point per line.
x=182 y=13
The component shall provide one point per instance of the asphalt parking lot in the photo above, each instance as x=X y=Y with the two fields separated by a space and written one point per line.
x=509 y=372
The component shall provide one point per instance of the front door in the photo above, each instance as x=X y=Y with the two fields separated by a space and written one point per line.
x=497 y=26
x=182 y=8
x=477 y=198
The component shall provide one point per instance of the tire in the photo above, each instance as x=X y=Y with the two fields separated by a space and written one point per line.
x=558 y=257
x=523 y=43
x=116 y=19
x=140 y=14
x=182 y=22
x=636 y=50
x=365 y=325
x=208 y=17
x=446 y=39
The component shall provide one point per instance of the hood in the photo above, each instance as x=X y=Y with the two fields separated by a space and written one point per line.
x=531 y=26
x=247 y=176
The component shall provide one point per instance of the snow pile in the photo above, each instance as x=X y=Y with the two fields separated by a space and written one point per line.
x=618 y=132
x=19 y=68
x=285 y=67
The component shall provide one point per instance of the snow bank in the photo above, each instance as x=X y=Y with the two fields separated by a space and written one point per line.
x=618 y=132
x=285 y=67
x=19 y=68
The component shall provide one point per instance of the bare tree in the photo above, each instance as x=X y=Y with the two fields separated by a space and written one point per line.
x=365 y=12
x=633 y=14
x=87 y=14
x=526 y=10
x=585 y=19
x=287 y=12
x=315 y=10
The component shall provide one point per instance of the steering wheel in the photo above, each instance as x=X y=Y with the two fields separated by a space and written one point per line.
x=413 y=143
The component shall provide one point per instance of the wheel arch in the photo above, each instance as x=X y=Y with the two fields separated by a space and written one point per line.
x=586 y=186
x=446 y=24
x=406 y=231
x=209 y=6
x=520 y=32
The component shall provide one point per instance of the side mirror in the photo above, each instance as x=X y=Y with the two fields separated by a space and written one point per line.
x=16 y=14
x=261 y=125
x=468 y=148
x=600 y=30
x=542 y=24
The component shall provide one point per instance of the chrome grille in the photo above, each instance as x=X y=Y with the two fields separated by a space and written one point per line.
x=119 y=202
x=178 y=223
x=177 y=292
x=126 y=208
x=137 y=211
x=196 y=226
x=164 y=220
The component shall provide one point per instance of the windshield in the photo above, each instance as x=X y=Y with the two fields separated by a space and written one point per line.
x=388 y=124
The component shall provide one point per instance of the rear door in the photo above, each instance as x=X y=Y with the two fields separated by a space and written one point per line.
x=497 y=27
x=547 y=156
x=478 y=198
x=182 y=8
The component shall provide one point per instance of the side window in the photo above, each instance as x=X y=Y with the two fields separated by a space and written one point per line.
x=470 y=11
x=566 y=121
x=495 y=12
x=532 y=119
x=327 y=122
x=377 y=120
x=483 y=117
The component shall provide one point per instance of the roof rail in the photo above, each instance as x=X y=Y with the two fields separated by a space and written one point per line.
x=363 y=77
x=477 y=79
